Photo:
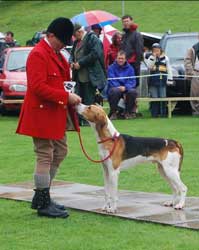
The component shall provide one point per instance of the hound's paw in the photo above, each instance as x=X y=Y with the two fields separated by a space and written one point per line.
x=105 y=207
x=111 y=210
x=168 y=203
x=108 y=209
x=179 y=206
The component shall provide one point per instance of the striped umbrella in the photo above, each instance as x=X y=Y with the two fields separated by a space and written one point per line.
x=92 y=17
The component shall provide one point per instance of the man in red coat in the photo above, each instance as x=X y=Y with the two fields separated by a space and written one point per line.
x=44 y=112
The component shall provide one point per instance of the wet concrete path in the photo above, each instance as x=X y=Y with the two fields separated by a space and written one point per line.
x=132 y=205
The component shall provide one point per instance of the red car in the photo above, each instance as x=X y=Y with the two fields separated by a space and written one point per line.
x=13 y=79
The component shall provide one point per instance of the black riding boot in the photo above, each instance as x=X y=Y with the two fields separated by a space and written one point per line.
x=35 y=202
x=42 y=202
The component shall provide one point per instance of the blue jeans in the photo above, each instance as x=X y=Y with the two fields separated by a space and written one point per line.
x=157 y=108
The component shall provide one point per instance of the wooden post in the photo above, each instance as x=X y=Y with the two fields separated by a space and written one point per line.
x=169 y=109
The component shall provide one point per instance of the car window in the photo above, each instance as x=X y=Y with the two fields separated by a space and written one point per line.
x=17 y=60
x=176 y=47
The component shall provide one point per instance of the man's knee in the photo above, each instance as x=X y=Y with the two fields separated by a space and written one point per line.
x=44 y=152
x=60 y=151
x=132 y=93
x=59 y=157
x=114 y=92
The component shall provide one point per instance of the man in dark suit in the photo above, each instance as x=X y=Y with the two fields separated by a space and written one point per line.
x=87 y=63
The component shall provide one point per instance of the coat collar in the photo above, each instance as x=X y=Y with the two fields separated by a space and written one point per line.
x=82 y=42
x=52 y=53
x=133 y=27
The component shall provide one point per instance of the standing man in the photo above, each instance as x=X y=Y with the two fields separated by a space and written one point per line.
x=87 y=63
x=96 y=28
x=44 y=112
x=9 y=39
x=132 y=44
x=191 y=63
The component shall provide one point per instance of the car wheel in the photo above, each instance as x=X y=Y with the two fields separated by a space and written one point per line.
x=3 y=110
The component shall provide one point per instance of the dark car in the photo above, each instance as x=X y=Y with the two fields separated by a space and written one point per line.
x=36 y=38
x=40 y=35
x=175 y=46
x=13 y=77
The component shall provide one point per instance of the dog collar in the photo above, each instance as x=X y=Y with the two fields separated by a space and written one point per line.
x=115 y=137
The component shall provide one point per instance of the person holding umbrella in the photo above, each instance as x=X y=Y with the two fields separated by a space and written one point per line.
x=97 y=29
x=87 y=64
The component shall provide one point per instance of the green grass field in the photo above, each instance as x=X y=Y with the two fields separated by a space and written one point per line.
x=24 y=18
x=20 y=228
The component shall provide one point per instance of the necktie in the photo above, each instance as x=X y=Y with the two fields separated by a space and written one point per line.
x=79 y=43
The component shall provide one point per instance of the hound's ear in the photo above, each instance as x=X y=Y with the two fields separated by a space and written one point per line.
x=101 y=119
x=98 y=105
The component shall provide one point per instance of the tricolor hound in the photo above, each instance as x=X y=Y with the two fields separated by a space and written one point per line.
x=129 y=151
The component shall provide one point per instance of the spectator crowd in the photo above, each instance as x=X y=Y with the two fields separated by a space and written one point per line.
x=116 y=74
x=91 y=68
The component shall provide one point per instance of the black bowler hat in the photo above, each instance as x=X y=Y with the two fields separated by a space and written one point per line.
x=62 y=28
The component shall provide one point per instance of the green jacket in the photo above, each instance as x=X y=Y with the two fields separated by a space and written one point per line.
x=90 y=57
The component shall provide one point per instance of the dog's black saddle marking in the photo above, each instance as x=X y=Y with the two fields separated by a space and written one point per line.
x=144 y=146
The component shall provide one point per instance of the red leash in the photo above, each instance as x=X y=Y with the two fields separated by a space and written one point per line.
x=114 y=138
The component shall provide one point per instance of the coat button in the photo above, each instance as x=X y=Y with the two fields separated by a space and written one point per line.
x=61 y=102
x=41 y=106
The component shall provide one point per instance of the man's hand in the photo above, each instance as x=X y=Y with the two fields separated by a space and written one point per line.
x=72 y=65
x=76 y=66
x=74 y=99
x=154 y=54
x=170 y=82
x=122 y=88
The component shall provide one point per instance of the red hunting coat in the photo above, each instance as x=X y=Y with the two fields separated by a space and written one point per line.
x=44 y=111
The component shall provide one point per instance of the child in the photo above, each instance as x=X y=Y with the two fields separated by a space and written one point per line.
x=159 y=66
